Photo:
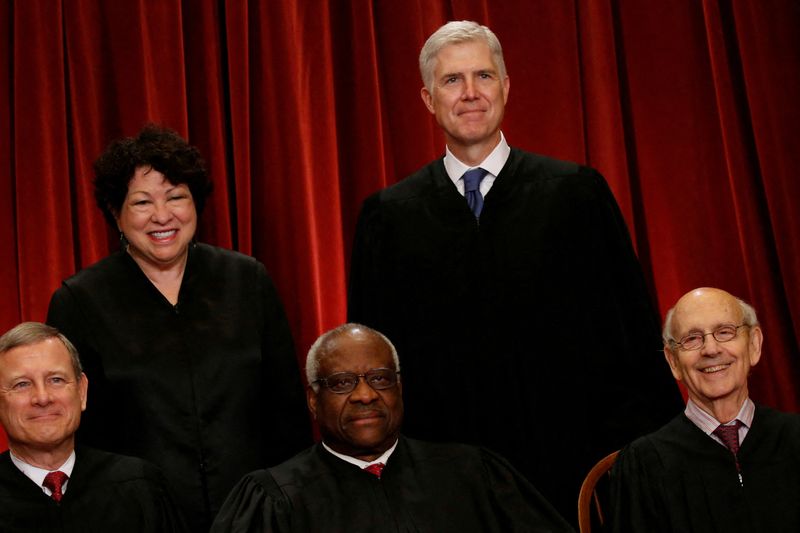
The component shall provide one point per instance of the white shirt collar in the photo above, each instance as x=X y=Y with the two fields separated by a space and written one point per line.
x=493 y=163
x=37 y=474
x=384 y=458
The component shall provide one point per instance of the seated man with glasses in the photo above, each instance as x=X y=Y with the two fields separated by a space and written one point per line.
x=365 y=476
x=724 y=464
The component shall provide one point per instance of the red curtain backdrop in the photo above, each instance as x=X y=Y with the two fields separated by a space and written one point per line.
x=303 y=108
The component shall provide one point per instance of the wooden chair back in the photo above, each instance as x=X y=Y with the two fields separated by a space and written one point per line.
x=590 y=499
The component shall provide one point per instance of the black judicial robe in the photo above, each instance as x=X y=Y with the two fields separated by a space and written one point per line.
x=533 y=320
x=107 y=493
x=425 y=487
x=680 y=479
x=208 y=390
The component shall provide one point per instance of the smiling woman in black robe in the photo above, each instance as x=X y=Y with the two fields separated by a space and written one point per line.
x=186 y=345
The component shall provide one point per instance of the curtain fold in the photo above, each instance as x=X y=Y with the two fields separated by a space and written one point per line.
x=302 y=109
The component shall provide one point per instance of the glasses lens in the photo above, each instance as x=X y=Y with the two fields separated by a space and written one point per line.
x=341 y=382
x=692 y=342
x=381 y=378
x=725 y=333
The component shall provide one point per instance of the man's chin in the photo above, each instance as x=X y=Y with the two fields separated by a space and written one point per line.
x=470 y=136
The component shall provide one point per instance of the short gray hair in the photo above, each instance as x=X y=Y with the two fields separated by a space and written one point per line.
x=457 y=32
x=29 y=333
x=749 y=318
x=322 y=346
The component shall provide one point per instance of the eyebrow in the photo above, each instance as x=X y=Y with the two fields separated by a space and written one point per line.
x=50 y=373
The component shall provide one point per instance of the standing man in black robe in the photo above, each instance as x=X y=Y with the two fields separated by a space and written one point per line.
x=46 y=484
x=521 y=310
x=724 y=464
x=364 y=476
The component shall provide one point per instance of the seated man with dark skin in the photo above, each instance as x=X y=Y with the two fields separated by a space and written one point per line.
x=365 y=476
x=725 y=464
x=46 y=483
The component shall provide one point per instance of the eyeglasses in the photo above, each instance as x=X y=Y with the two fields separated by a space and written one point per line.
x=695 y=341
x=344 y=382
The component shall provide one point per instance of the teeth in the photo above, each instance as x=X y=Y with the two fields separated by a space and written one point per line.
x=717 y=368
x=162 y=234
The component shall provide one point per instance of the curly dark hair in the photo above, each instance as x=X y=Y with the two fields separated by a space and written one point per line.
x=154 y=146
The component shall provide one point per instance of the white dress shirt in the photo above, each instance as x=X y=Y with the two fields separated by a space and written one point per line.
x=37 y=474
x=493 y=164
x=384 y=458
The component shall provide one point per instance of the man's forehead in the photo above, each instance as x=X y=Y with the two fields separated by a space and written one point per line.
x=355 y=351
x=469 y=52
x=703 y=310
x=47 y=356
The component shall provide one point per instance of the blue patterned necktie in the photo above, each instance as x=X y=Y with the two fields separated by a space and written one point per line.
x=472 y=192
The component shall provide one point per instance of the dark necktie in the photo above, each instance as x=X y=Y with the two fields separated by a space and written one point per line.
x=472 y=192
x=54 y=481
x=729 y=435
x=375 y=469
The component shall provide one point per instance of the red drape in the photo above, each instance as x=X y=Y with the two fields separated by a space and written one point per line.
x=302 y=108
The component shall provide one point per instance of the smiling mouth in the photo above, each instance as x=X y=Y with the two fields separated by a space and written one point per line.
x=44 y=416
x=366 y=416
x=717 y=368
x=472 y=111
x=163 y=235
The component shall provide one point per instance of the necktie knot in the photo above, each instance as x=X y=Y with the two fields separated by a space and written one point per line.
x=473 y=178
x=55 y=481
x=729 y=435
x=375 y=469
x=472 y=183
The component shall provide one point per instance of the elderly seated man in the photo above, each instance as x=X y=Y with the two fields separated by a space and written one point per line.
x=46 y=483
x=725 y=463
x=364 y=476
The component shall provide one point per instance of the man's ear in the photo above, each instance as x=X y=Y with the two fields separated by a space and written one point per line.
x=311 y=401
x=83 y=390
x=756 y=340
x=427 y=99
x=672 y=360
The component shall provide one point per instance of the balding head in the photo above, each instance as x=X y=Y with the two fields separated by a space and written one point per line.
x=706 y=296
x=711 y=341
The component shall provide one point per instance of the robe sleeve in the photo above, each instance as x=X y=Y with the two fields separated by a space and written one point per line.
x=255 y=505
x=167 y=518
x=366 y=285
x=64 y=315
x=517 y=505
x=289 y=424
x=636 y=498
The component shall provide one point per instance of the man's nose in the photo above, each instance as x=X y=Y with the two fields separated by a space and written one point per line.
x=470 y=90
x=711 y=346
x=363 y=392
x=40 y=394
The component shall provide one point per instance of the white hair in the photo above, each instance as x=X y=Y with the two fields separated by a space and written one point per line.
x=457 y=32
x=322 y=346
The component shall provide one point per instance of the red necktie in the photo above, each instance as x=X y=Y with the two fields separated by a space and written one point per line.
x=375 y=469
x=54 y=481
x=729 y=435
